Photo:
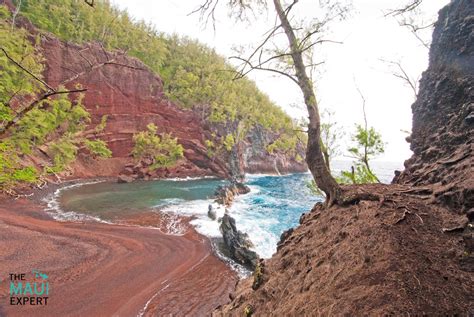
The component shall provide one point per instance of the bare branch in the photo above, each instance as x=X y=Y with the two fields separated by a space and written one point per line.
x=363 y=104
x=262 y=44
x=26 y=70
x=401 y=73
x=407 y=8
x=17 y=10
x=252 y=67
x=33 y=104
x=124 y=65
x=404 y=17
x=207 y=10
x=319 y=42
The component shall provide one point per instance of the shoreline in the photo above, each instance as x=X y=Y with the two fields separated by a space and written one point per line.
x=168 y=223
x=113 y=254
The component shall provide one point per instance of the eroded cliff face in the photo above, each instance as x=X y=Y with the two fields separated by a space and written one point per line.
x=443 y=114
x=131 y=96
x=257 y=160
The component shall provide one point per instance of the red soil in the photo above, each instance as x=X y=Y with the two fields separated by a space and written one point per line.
x=103 y=270
x=396 y=257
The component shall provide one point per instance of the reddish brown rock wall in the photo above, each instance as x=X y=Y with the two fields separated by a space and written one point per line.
x=131 y=96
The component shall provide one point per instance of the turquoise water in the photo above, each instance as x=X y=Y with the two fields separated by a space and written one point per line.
x=274 y=204
x=111 y=201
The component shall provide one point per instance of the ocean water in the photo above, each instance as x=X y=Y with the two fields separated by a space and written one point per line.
x=274 y=204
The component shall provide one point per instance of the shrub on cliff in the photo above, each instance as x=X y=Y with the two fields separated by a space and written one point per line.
x=164 y=151
x=54 y=126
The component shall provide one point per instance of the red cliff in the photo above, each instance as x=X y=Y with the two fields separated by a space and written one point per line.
x=131 y=96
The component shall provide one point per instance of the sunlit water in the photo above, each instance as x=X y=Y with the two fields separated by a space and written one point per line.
x=274 y=204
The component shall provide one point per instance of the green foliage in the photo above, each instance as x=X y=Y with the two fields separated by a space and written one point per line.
x=284 y=143
x=55 y=126
x=98 y=148
x=27 y=174
x=73 y=20
x=194 y=77
x=229 y=142
x=11 y=171
x=165 y=151
x=367 y=145
x=359 y=174
x=211 y=147
x=298 y=158
x=103 y=123
x=288 y=142
x=248 y=311
x=14 y=82
x=63 y=152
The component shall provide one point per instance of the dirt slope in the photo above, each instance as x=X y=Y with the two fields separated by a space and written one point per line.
x=370 y=258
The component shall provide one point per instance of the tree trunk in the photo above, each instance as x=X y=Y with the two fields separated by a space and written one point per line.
x=314 y=154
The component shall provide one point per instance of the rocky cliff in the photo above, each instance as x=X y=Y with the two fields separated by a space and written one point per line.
x=443 y=114
x=131 y=96
x=408 y=253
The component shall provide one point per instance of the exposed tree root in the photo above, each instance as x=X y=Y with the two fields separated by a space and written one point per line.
x=354 y=195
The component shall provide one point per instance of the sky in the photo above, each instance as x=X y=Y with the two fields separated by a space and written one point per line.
x=367 y=36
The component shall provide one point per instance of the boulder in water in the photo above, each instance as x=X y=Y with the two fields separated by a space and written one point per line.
x=237 y=243
x=225 y=194
x=122 y=178
x=211 y=213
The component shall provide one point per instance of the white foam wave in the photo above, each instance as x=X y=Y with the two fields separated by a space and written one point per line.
x=168 y=201
x=54 y=208
x=254 y=189
x=198 y=209
x=256 y=226
x=184 y=179
x=173 y=224
x=259 y=175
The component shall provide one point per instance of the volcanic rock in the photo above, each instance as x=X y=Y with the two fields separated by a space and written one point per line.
x=237 y=243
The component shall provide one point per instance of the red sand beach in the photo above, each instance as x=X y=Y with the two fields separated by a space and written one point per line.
x=103 y=270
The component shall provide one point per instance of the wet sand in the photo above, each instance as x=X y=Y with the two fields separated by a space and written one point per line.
x=103 y=270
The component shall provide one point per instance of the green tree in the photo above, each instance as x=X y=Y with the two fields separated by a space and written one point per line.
x=164 y=151
x=292 y=62
x=367 y=144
